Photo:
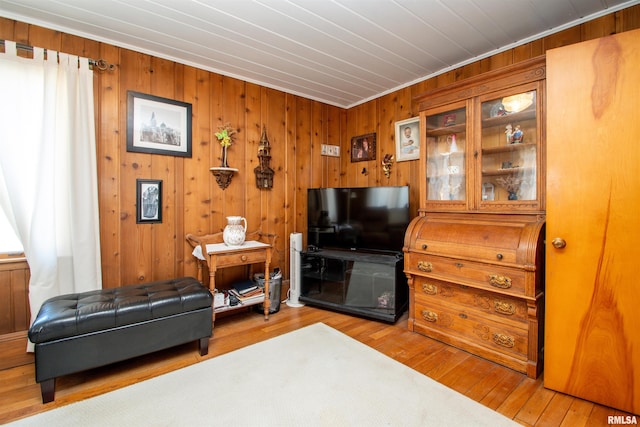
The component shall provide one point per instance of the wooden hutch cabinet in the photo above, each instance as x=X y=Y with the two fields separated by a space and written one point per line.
x=474 y=257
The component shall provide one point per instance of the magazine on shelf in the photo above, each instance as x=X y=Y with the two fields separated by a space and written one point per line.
x=248 y=299
x=245 y=287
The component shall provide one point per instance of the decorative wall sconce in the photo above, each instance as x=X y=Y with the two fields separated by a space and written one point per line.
x=387 y=162
x=224 y=173
x=264 y=174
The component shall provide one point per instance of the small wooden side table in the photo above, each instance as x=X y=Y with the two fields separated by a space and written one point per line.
x=256 y=249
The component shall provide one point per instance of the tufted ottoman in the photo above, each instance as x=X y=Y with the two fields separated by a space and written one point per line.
x=76 y=332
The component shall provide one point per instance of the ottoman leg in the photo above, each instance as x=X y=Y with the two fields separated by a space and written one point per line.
x=48 y=389
x=203 y=346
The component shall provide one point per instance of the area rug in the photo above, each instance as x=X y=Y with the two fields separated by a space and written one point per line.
x=314 y=376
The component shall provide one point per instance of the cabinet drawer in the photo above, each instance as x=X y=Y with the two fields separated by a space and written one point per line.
x=487 y=276
x=499 y=307
x=240 y=258
x=463 y=326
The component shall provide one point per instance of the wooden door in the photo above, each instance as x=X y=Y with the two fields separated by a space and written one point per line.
x=592 y=346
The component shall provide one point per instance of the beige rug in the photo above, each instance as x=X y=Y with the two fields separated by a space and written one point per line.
x=330 y=380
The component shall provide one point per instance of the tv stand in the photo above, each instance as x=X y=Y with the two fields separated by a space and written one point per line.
x=367 y=284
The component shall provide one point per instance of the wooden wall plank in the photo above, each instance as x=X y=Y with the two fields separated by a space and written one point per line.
x=7 y=29
x=108 y=153
x=14 y=290
x=135 y=249
x=232 y=199
x=388 y=109
x=21 y=33
x=305 y=175
x=45 y=38
x=178 y=233
x=336 y=130
x=20 y=298
x=6 y=303
x=597 y=28
x=256 y=115
x=162 y=236
x=275 y=211
x=195 y=203
x=295 y=182
x=627 y=19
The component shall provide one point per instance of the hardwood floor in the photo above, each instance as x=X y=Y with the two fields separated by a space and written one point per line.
x=513 y=394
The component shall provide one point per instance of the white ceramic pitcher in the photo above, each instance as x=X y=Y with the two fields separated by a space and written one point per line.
x=234 y=233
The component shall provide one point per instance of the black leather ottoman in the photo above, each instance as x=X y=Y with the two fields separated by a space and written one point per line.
x=76 y=332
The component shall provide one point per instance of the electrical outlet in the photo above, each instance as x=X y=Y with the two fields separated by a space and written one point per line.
x=330 y=150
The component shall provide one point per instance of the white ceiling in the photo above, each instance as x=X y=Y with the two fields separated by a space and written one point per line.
x=341 y=52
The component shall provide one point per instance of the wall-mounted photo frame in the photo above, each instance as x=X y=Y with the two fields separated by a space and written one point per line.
x=158 y=125
x=408 y=139
x=363 y=147
x=148 y=201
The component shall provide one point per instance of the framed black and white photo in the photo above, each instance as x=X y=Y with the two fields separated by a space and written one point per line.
x=363 y=147
x=408 y=139
x=158 y=125
x=148 y=201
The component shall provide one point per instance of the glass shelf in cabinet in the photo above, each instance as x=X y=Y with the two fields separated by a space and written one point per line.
x=527 y=114
x=509 y=171
x=507 y=148
x=447 y=130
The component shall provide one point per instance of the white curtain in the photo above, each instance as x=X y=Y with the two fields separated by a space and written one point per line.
x=48 y=173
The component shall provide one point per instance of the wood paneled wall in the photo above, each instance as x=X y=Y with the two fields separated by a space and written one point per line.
x=296 y=128
x=14 y=312
x=14 y=295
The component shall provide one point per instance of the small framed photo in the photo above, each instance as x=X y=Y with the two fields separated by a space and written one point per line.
x=148 y=201
x=449 y=120
x=158 y=125
x=408 y=139
x=363 y=147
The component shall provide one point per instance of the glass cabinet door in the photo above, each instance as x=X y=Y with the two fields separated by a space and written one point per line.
x=509 y=155
x=446 y=135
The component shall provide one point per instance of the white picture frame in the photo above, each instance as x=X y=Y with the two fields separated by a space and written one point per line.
x=407 y=139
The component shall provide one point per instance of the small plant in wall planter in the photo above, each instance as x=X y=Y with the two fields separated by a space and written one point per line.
x=224 y=173
x=225 y=137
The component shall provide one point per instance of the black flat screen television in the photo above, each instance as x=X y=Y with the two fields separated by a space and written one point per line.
x=358 y=218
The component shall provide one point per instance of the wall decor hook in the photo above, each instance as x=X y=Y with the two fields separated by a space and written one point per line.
x=387 y=162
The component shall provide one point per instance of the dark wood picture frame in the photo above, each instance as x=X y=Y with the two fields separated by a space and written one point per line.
x=148 y=201
x=158 y=125
x=363 y=147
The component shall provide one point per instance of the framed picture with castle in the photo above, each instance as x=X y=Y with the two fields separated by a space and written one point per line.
x=158 y=125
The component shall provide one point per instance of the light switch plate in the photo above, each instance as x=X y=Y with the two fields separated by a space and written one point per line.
x=330 y=150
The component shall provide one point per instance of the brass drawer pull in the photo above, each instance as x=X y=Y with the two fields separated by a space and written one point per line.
x=504 y=340
x=504 y=307
x=502 y=282
x=429 y=316
x=429 y=288
x=425 y=266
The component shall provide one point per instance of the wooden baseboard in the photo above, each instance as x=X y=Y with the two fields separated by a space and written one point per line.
x=13 y=350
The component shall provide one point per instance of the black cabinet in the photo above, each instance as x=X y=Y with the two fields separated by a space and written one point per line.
x=367 y=284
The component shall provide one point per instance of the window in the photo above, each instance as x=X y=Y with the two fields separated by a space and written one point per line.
x=9 y=243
